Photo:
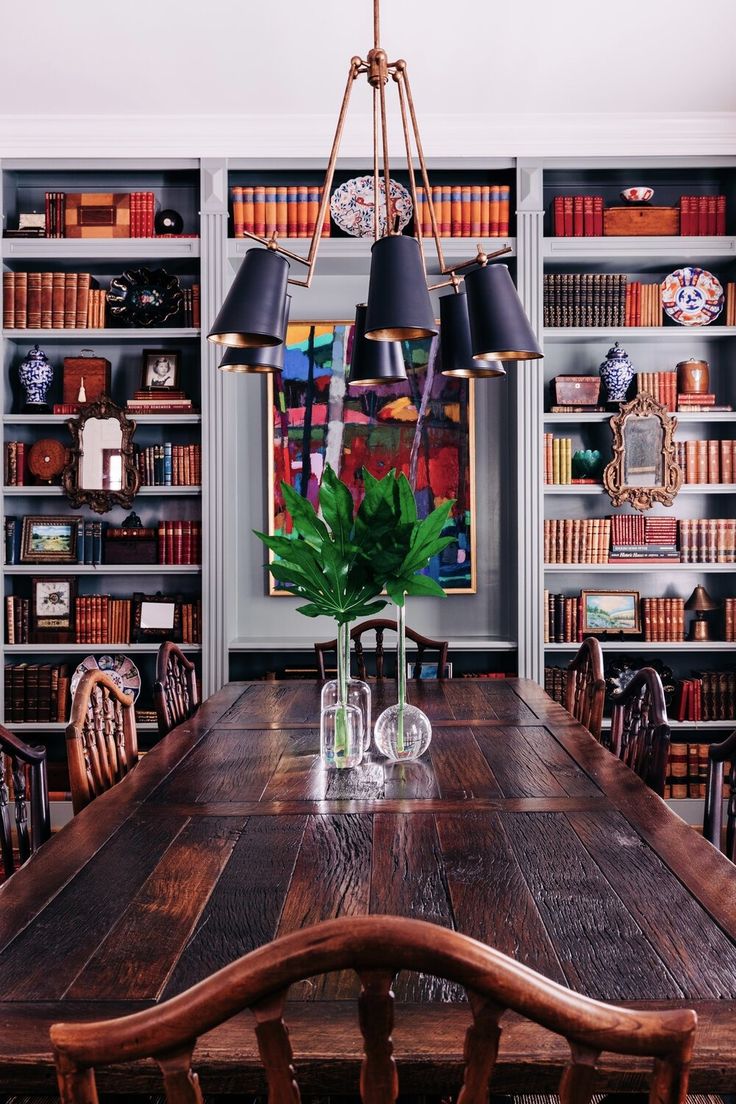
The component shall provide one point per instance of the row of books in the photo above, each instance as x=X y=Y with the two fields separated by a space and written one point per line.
x=589 y=540
x=164 y=401
x=707 y=461
x=36 y=692
x=577 y=216
x=687 y=772
x=97 y=619
x=708 y=696
x=179 y=541
x=643 y=306
x=54 y=210
x=577 y=540
x=558 y=461
x=466 y=210
x=47 y=300
x=289 y=211
x=142 y=210
x=707 y=540
x=703 y=215
x=663 y=619
x=731 y=304
x=170 y=465
x=661 y=386
x=585 y=299
x=14 y=468
x=562 y=619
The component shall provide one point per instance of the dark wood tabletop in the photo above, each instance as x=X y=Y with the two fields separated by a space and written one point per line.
x=516 y=828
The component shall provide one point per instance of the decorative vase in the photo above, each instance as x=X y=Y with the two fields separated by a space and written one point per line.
x=693 y=377
x=341 y=723
x=402 y=731
x=586 y=464
x=358 y=694
x=617 y=372
x=36 y=376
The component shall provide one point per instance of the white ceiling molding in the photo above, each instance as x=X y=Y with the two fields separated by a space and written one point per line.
x=294 y=136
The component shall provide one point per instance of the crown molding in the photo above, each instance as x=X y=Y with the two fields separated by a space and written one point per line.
x=450 y=135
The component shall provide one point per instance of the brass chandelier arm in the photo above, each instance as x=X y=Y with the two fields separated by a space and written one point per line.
x=409 y=158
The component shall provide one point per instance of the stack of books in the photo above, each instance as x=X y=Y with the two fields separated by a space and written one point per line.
x=165 y=400
x=585 y=299
x=699 y=404
x=643 y=539
x=709 y=696
x=662 y=386
x=15 y=464
x=703 y=215
x=707 y=461
x=100 y=619
x=576 y=540
x=562 y=619
x=577 y=216
x=555 y=680
x=17 y=617
x=687 y=771
x=179 y=542
x=708 y=540
x=36 y=692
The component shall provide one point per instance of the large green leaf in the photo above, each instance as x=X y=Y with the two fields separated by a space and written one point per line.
x=336 y=504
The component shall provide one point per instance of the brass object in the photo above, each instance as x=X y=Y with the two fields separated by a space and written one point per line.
x=378 y=70
x=101 y=472
x=700 y=602
x=644 y=468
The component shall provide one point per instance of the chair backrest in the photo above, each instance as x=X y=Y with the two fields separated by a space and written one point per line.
x=718 y=754
x=24 y=768
x=101 y=739
x=585 y=686
x=640 y=731
x=175 y=692
x=378 y=625
x=376 y=948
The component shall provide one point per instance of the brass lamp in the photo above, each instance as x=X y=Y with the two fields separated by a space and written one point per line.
x=398 y=303
x=700 y=602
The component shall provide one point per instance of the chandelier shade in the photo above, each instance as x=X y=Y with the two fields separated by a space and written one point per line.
x=456 y=355
x=267 y=358
x=499 y=328
x=399 y=307
x=374 y=362
x=252 y=315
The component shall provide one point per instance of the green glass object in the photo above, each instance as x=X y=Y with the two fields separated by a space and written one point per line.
x=586 y=464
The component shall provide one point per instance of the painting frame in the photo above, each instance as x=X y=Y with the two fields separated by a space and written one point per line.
x=273 y=589
x=32 y=522
x=615 y=630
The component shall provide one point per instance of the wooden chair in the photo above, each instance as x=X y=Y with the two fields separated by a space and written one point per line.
x=585 y=686
x=101 y=739
x=175 y=692
x=376 y=948
x=640 y=731
x=718 y=754
x=379 y=626
x=27 y=773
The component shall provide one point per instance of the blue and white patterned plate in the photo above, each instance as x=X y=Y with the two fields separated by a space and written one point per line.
x=692 y=296
x=121 y=669
x=352 y=205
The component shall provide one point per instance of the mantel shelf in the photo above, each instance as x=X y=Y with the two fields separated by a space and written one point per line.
x=653 y=249
x=163 y=333
x=102 y=569
x=99 y=249
x=711 y=726
x=635 y=567
x=50 y=492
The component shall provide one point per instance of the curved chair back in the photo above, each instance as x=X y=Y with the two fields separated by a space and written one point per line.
x=175 y=692
x=378 y=625
x=376 y=948
x=585 y=686
x=718 y=755
x=101 y=739
x=24 y=768
x=640 y=731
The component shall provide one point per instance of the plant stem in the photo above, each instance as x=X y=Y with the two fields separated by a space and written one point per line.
x=401 y=672
x=343 y=667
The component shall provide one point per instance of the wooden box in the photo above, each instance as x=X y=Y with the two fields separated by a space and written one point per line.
x=132 y=548
x=577 y=390
x=97 y=215
x=95 y=371
x=641 y=221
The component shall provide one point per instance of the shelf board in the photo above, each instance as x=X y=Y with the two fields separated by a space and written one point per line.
x=163 y=333
x=99 y=249
x=605 y=416
x=62 y=419
x=46 y=492
x=608 y=334
x=599 y=489
x=90 y=649
x=708 y=726
x=651 y=646
x=30 y=728
x=260 y=644
x=636 y=567
x=102 y=569
x=654 y=250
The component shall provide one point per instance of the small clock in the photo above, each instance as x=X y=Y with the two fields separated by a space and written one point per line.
x=47 y=459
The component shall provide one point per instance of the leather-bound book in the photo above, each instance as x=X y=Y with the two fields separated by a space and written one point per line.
x=57 y=300
x=588 y=230
x=568 y=215
x=8 y=300
x=236 y=193
x=504 y=204
x=312 y=208
x=475 y=205
x=558 y=217
x=465 y=210
x=485 y=210
x=720 y=214
x=34 y=301
x=577 y=216
x=598 y=216
x=291 y=220
x=259 y=209
x=270 y=209
x=281 y=211
x=494 y=218
x=70 y=300
x=302 y=201
x=21 y=300
x=712 y=217
x=456 y=211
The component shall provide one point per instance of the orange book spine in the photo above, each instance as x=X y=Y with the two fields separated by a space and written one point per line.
x=281 y=211
x=238 y=213
x=466 y=210
x=248 y=210
x=494 y=213
x=485 y=211
x=475 y=205
x=259 y=210
x=270 y=205
x=504 y=203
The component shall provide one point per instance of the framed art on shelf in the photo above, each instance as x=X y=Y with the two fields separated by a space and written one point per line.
x=48 y=539
x=156 y=617
x=423 y=428
x=610 y=611
x=161 y=370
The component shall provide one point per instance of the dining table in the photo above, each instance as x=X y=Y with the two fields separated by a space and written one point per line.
x=516 y=827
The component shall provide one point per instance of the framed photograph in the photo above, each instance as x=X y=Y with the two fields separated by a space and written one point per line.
x=156 y=617
x=161 y=370
x=610 y=611
x=48 y=539
x=52 y=608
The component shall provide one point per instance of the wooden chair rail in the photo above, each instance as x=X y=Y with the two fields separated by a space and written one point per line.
x=379 y=625
x=28 y=773
x=101 y=738
x=376 y=948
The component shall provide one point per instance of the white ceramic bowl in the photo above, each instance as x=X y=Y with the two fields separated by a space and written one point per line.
x=637 y=195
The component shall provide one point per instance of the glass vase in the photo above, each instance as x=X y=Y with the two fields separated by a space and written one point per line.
x=341 y=721
x=402 y=731
x=358 y=694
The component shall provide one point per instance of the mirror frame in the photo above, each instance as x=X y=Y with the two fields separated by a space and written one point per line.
x=643 y=498
x=99 y=500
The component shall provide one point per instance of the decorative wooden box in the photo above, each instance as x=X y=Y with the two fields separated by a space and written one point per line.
x=131 y=546
x=95 y=371
x=641 y=221
x=577 y=390
x=97 y=215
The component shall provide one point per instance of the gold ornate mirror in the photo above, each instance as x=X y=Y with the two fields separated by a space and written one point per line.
x=644 y=469
x=101 y=473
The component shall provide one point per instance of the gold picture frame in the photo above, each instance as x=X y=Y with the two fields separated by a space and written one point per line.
x=48 y=539
x=624 y=616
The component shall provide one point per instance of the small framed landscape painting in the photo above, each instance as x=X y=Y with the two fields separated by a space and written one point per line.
x=610 y=611
x=423 y=428
x=48 y=540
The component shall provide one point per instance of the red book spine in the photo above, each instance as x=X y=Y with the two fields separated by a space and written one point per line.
x=685 y=215
x=702 y=215
x=712 y=219
x=162 y=542
x=588 y=217
x=558 y=218
x=598 y=216
x=567 y=207
x=577 y=216
x=186 y=543
x=151 y=208
x=720 y=214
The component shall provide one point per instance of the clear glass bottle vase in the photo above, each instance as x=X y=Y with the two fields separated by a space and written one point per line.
x=341 y=721
x=402 y=731
x=358 y=693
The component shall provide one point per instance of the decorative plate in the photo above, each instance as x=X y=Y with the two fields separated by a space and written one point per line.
x=692 y=296
x=144 y=297
x=351 y=206
x=120 y=668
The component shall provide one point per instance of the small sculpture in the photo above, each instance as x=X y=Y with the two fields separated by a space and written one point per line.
x=617 y=372
x=36 y=376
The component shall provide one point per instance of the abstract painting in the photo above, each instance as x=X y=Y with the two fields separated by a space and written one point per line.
x=423 y=428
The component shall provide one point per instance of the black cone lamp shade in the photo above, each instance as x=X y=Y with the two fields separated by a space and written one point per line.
x=456 y=355
x=374 y=362
x=499 y=328
x=253 y=312
x=269 y=358
x=399 y=307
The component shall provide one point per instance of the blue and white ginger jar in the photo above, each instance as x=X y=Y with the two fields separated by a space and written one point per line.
x=36 y=376
x=617 y=372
